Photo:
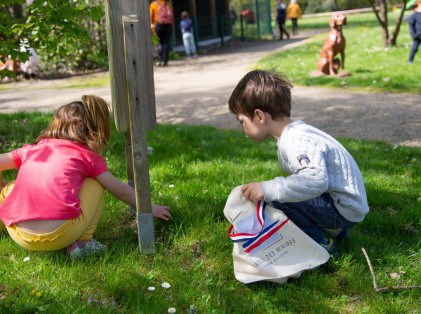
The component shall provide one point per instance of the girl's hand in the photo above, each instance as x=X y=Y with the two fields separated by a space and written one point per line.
x=162 y=212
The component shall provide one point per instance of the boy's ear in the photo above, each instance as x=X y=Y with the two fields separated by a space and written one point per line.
x=260 y=115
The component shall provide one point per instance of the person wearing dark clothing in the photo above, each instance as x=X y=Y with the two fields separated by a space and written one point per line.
x=164 y=33
x=162 y=19
x=233 y=15
x=281 y=17
x=415 y=30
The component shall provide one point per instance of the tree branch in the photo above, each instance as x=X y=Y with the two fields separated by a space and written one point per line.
x=373 y=6
x=376 y=288
x=392 y=39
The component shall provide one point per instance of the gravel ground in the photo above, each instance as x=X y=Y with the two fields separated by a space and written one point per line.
x=196 y=92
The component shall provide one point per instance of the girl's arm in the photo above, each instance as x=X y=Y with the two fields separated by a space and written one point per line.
x=127 y=194
x=6 y=162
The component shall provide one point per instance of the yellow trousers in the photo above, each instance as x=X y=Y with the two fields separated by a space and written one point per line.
x=81 y=228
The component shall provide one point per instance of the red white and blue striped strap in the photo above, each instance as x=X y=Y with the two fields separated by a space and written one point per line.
x=254 y=240
x=263 y=236
x=242 y=236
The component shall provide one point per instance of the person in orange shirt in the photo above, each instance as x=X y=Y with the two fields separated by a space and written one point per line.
x=293 y=13
x=162 y=18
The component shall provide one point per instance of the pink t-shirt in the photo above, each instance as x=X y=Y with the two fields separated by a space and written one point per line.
x=50 y=176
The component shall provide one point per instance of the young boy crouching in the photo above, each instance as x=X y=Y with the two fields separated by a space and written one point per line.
x=324 y=192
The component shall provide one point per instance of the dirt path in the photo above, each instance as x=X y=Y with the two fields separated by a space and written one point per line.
x=196 y=92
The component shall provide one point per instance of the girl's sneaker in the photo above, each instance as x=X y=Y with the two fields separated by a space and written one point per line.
x=81 y=249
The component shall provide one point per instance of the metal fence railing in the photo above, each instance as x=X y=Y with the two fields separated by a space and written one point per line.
x=254 y=21
x=207 y=31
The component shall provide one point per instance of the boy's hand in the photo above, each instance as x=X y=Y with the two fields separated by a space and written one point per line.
x=253 y=191
x=162 y=212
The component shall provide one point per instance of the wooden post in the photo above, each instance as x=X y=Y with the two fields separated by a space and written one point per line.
x=138 y=69
x=115 y=9
x=133 y=99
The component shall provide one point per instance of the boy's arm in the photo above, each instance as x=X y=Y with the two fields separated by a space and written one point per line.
x=308 y=174
x=306 y=184
x=126 y=193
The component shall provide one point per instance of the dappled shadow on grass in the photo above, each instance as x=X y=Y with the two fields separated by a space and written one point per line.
x=193 y=169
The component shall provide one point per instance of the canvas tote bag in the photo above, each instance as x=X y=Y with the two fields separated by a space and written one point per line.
x=267 y=245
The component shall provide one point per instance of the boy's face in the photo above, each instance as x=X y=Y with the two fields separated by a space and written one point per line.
x=253 y=128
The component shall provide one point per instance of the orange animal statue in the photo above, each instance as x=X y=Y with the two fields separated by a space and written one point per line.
x=333 y=45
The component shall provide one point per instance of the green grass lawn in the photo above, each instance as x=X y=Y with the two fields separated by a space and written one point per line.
x=193 y=170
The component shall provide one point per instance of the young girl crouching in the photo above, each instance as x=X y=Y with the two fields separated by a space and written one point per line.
x=56 y=200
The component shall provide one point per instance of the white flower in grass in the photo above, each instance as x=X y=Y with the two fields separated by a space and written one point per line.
x=172 y=310
x=26 y=259
x=151 y=288
x=171 y=185
x=165 y=285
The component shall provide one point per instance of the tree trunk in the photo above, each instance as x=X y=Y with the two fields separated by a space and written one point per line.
x=385 y=24
x=383 y=21
x=382 y=18
x=394 y=36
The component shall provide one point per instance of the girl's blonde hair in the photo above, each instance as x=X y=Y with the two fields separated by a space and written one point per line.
x=86 y=122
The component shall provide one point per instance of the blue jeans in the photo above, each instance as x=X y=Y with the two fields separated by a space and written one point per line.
x=189 y=46
x=313 y=215
x=415 y=44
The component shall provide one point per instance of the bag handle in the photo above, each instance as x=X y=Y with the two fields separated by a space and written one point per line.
x=242 y=236
x=253 y=240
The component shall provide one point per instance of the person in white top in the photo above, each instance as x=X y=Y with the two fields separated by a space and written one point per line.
x=324 y=192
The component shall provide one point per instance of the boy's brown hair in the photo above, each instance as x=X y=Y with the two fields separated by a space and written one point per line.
x=269 y=91
x=86 y=122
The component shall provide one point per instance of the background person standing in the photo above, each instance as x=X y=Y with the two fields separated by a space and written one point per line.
x=415 y=30
x=293 y=13
x=281 y=16
x=162 y=18
x=186 y=26
x=233 y=15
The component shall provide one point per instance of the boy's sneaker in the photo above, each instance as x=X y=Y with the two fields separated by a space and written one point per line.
x=338 y=234
x=330 y=247
x=81 y=249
